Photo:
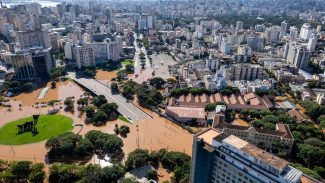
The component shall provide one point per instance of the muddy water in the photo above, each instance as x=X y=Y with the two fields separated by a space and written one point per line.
x=152 y=134
x=106 y=75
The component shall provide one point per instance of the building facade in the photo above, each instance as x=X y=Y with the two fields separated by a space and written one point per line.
x=220 y=158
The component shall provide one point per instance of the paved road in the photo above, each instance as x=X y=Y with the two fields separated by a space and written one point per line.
x=127 y=109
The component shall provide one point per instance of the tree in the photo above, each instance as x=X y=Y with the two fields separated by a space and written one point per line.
x=129 y=68
x=137 y=159
x=53 y=84
x=37 y=174
x=90 y=111
x=149 y=97
x=110 y=109
x=105 y=143
x=21 y=170
x=89 y=72
x=83 y=101
x=124 y=130
x=157 y=82
x=152 y=175
x=100 y=117
x=57 y=72
x=112 y=173
x=64 y=173
x=69 y=103
x=114 y=87
x=68 y=145
x=91 y=173
x=128 y=180
x=128 y=91
x=99 y=100
x=172 y=159
x=27 y=87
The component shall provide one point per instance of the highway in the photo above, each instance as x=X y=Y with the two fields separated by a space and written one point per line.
x=127 y=109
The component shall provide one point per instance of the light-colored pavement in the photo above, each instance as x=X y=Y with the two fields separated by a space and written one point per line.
x=126 y=108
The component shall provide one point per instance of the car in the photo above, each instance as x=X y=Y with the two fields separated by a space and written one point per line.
x=129 y=118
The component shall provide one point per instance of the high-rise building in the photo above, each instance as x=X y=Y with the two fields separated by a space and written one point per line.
x=245 y=72
x=284 y=28
x=68 y=52
x=220 y=158
x=254 y=42
x=28 y=39
x=306 y=31
x=319 y=28
x=311 y=46
x=85 y=56
x=30 y=64
x=298 y=55
x=272 y=34
x=113 y=51
x=239 y=25
x=293 y=32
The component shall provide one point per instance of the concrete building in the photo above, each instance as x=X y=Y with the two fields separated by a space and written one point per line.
x=293 y=33
x=280 y=139
x=245 y=72
x=284 y=28
x=311 y=46
x=306 y=31
x=272 y=34
x=113 y=51
x=218 y=157
x=28 y=39
x=85 y=56
x=298 y=55
x=239 y=25
x=68 y=50
x=30 y=64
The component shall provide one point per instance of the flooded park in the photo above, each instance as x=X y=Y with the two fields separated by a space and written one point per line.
x=151 y=134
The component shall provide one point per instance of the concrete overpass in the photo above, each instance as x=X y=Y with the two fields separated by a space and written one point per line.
x=127 y=109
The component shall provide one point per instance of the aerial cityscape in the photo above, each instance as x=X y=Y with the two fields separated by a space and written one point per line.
x=162 y=91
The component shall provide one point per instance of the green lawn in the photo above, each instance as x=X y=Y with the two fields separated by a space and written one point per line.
x=122 y=118
x=127 y=61
x=47 y=126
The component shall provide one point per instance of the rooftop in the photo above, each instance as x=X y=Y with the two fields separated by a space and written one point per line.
x=256 y=152
x=208 y=135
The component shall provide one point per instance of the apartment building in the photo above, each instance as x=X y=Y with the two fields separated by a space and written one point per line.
x=245 y=72
x=85 y=56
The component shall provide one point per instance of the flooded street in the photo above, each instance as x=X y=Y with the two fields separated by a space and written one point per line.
x=152 y=134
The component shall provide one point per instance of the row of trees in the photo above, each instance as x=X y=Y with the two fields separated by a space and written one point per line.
x=185 y=91
x=21 y=171
x=17 y=86
x=70 y=146
x=60 y=173
x=176 y=162
x=266 y=119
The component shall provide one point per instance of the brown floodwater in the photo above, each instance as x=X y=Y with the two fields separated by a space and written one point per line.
x=152 y=134
x=106 y=75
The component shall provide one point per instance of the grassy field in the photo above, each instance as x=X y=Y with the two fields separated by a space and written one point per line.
x=122 y=118
x=47 y=126
x=127 y=61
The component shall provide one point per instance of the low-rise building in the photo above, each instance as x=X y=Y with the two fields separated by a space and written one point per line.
x=266 y=139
